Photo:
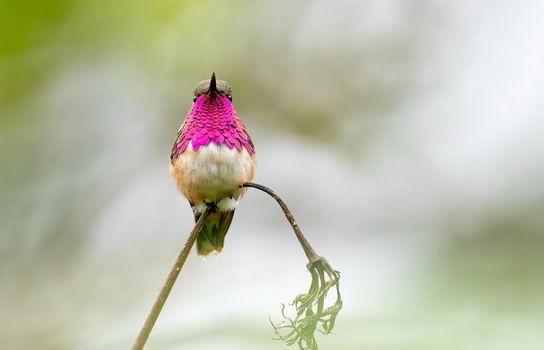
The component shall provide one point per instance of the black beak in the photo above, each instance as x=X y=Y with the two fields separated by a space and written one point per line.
x=213 y=85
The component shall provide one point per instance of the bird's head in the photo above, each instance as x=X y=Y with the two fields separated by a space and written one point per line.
x=212 y=91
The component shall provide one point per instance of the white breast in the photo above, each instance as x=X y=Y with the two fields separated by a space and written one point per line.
x=212 y=173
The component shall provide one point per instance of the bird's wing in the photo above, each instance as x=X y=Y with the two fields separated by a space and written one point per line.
x=181 y=141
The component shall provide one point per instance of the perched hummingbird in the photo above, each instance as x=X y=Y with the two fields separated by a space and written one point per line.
x=212 y=157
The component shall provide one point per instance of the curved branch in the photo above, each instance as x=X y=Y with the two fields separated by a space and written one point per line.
x=169 y=283
x=310 y=306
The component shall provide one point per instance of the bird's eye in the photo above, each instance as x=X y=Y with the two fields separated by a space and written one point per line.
x=229 y=97
x=194 y=98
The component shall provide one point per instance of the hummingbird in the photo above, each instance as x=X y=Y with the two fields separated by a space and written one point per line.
x=211 y=158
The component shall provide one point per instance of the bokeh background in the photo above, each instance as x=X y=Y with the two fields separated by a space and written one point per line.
x=406 y=136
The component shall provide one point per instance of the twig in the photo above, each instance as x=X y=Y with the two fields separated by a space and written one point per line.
x=169 y=283
x=310 y=306
x=301 y=329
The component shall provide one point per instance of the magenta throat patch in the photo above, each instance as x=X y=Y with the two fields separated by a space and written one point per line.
x=212 y=119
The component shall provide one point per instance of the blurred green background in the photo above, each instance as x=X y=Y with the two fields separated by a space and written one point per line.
x=406 y=136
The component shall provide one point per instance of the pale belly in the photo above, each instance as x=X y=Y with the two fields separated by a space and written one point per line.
x=212 y=173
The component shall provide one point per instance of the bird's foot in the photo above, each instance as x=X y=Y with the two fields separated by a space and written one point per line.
x=226 y=204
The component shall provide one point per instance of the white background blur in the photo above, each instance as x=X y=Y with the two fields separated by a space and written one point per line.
x=406 y=137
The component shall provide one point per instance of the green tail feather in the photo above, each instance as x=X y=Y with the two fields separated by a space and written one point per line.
x=212 y=236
